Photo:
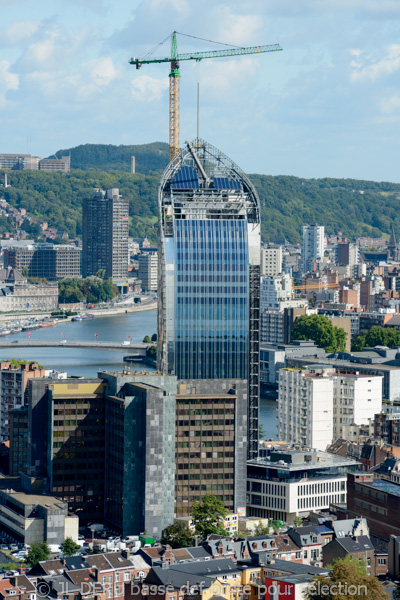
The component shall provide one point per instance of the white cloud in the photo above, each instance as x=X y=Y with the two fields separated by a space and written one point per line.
x=390 y=105
x=375 y=70
x=8 y=80
x=148 y=89
x=102 y=70
x=17 y=32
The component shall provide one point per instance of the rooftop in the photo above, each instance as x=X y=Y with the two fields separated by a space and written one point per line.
x=322 y=459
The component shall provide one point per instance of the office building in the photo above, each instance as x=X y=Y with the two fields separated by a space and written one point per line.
x=66 y=433
x=288 y=482
x=31 y=517
x=34 y=163
x=105 y=228
x=313 y=245
x=47 y=261
x=271 y=260
x=148 y=271
x=209 y=273
x=140 y=451
x=13 y=384
x=210 y=443
x=131 y=439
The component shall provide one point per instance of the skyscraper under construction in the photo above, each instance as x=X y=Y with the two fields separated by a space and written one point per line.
x=209 y=273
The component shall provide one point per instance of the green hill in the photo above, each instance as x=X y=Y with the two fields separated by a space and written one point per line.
x=106 y=157
x=354 y=207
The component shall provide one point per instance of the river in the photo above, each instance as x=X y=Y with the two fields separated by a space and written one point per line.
x=88 y=363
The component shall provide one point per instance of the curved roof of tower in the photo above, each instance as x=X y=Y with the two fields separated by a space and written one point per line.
x=203 y=174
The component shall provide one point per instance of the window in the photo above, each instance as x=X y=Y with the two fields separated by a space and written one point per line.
x=110 y=579
x=109 y=593
x=126 y=576
x=117 y=576
x=305 y=553
x=103 y=579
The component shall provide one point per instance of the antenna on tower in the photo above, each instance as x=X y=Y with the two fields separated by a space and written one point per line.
x=198 y=108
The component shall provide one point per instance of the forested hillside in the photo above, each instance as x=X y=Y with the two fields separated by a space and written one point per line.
x=354 y=207
x=106 y=157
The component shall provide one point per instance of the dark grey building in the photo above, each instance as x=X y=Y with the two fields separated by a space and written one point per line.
x=105 y=228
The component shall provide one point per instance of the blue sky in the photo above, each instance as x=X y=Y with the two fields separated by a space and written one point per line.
x=327 y=106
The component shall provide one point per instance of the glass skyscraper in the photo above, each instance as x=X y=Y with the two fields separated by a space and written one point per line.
x=209 y=251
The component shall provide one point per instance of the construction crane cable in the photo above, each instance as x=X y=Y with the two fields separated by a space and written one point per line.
x=205 y=40
x=151 y=52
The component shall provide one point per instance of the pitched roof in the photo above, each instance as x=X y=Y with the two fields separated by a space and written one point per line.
x=99 y=561
x=23 y=582
x=181 y=554
x=139 y=563
x=75 y=562
x=80 y=576
x=284 y=543
x=47 y=567
x=197 y=552
x=351 y=545
x=117 y=561
x=6 y=586
x=61 y=584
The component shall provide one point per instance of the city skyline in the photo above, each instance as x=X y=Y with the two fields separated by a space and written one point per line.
x=328 y=105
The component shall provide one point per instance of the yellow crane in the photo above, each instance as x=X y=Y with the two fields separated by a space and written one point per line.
x=174 y=79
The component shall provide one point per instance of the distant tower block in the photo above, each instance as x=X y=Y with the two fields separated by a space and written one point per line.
x=132 y=164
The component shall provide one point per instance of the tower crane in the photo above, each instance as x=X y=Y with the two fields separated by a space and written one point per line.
x=174 y=79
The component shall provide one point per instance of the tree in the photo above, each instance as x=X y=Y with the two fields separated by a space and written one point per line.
x=321 y=330
x=146 y=340
x=38 y=552
x=209 y=516
x=154 y=337
x=177 y=535
x=261 y=530
x=95 y=550
x=297 y=521
x=25 y=271
x=101 y=273
x=69 y=547
x=348 y=578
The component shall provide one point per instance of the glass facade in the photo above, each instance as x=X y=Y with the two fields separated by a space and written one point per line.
x=209 y=273
x=211 y=299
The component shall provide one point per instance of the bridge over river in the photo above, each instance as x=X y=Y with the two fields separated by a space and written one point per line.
x=134 y=348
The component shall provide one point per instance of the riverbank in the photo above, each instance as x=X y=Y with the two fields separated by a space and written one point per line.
x=100 y=312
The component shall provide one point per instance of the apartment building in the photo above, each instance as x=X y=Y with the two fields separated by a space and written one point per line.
x=305 y=408
x=319 y=404
x=148 y=271
x=271 y=260
x=105 y=228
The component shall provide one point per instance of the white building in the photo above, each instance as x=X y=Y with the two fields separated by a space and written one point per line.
x=305 y=408
x=313 y=245
x=319 y=404
x=271 y=260
x=274 y=290
x=356 y=399
x=289 y=482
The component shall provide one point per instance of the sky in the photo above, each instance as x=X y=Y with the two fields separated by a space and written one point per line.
x=328 y=105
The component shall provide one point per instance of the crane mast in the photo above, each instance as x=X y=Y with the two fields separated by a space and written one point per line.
x=175 y=79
